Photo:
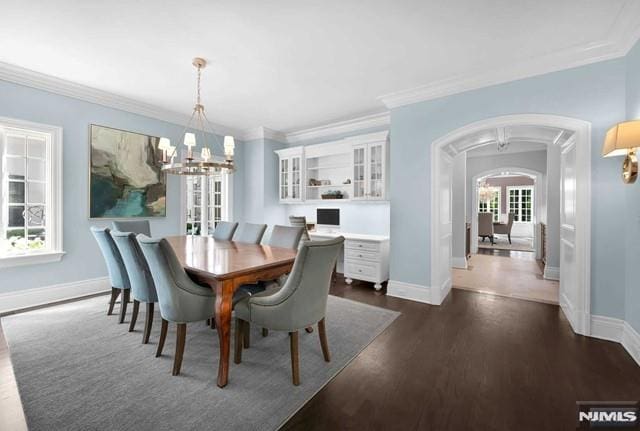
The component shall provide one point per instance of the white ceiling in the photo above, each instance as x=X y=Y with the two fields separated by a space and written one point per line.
x=289 y=65
x=520 y=139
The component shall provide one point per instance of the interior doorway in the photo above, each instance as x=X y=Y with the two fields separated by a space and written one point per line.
x=570 y=140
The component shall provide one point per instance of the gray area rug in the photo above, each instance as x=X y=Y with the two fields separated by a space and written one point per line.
x=78 y=369
x=501 y=243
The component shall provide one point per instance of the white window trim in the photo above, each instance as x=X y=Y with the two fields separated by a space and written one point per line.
x=533 y=203
x=498 y=191
x=54 y=191
x=227 y=203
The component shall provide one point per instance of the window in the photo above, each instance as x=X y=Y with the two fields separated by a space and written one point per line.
x=206 y=202
x=521 y=203
x=493 y=206
x=30 y=196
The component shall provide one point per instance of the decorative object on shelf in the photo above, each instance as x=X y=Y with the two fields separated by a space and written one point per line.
x=313 y=182
x=125 y=177
x=332 y=194
x=208 y=165
x=623 y=139
x=347 y=181
x=485 y=193
x=325 y=182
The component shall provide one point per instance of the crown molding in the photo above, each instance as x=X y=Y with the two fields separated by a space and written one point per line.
x=41 y=81
x=262 y=133
x=624 y=34
x=382 y=119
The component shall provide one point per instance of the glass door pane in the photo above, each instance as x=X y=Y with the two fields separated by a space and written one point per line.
x=375 y=171
x=284 y=179
x=295 y=178
x=359 y=172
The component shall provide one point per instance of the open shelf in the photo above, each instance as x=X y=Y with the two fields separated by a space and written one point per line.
x=329 y=186
x=317 y=168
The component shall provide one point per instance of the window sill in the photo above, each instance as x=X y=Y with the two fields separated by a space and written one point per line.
x=31 y=259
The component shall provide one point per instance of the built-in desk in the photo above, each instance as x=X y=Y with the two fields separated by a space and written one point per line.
x=365 y=257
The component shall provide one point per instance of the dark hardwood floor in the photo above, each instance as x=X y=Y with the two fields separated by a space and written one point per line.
x=477 y=362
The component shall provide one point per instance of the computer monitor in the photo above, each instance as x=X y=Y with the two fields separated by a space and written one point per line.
x=328 y=217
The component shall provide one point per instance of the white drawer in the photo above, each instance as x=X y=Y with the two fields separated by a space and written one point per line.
x=355 y=254
x=355 y=269
x=361 y=245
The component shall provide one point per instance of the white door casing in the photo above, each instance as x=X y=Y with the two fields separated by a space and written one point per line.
x=575 y=297
x=441 y=192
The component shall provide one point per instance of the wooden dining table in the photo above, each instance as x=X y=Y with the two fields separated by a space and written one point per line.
x=225 y=266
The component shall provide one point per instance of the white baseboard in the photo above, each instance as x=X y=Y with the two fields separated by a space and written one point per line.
x=618 y=330
x=459 y=262
x=412 y=292
x=14 y=301
x=442 y=292
x=551 y=273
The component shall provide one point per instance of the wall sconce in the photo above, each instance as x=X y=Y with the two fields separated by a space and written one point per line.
x=623 y=139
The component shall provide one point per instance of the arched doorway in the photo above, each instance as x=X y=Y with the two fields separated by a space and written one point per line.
x=574 y=143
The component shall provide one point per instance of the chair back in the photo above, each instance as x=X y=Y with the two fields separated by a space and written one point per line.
x=224 y=230
x=300 y=221
x=285 y=236
x=510 y=222
x=140 y=278
x=485 y=224
x=135 y=226
x=112 y=257
x=302 y=301
x=250 y=233
x=180 y=299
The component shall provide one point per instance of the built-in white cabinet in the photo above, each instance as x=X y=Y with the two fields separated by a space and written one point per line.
x=290 y=174
x=370 y=170
x=350 y=169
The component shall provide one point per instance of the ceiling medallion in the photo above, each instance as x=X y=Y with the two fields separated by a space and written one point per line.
x=207 y=164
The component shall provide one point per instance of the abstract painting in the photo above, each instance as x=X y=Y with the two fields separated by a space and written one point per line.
x=126 y=180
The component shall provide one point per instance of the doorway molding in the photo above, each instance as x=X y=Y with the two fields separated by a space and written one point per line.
x=537 y=184
x=445 y=148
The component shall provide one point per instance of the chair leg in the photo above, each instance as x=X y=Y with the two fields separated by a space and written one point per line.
x=181 y=335
x=239 y=340
x=322 y=332
x=509 y=236
x=212 y=323
x=134 y=314
x=114 y=295
x=123 y=303
x=295 y=365
x=265 y=332
x=148 y=322
x=163 y=336
x=246 y=334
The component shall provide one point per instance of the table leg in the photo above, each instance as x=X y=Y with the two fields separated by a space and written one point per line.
x=224 y=298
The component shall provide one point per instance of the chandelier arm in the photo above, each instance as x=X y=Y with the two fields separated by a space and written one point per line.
x=175 y=150
x=215 y=135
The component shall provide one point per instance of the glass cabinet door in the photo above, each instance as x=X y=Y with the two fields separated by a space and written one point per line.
x=376 y=180
x=284 y=179
x=295 y=177
x=194 y=205
x=359 y=175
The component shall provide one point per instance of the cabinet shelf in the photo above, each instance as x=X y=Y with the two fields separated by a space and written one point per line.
x=329 y=186
x=317 y=168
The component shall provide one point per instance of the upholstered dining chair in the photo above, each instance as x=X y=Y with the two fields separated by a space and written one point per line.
x=115 y=266
x=224 y=230
x=504 y=229
x=300 y=303
x=142 y=287
x=300 y=221
x=485 y=226
x=250 y=233
x=180 y=299
x=281 y=236
x=135 y=226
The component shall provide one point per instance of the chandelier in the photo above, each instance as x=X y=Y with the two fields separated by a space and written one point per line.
x=485 y=193
x=207 y=164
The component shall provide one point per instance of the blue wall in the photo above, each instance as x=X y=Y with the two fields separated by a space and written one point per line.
x=83 y=260
x=594 y=93
x=633 y=198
